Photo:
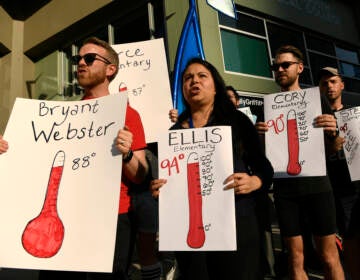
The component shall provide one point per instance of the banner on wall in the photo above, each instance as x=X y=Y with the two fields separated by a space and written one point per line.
x=143 y=74
x=195 y=212
x=60 y=184
x=349 y=127
x=293 y=145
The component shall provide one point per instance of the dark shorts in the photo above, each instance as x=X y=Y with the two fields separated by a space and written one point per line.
x=145 y=211
x=348 y=214
x=314 y=211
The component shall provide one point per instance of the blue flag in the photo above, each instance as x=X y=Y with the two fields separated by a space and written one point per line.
x=190 y=46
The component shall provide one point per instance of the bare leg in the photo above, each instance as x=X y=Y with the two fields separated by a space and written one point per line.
x=326 y=247
x=296 y=257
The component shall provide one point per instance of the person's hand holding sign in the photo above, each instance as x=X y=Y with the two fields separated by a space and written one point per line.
x=328 y=123
x=261 y=127
x=155 y=186
x=242 y=183
x=124 y=140
x=134 y=162
x=4 y=146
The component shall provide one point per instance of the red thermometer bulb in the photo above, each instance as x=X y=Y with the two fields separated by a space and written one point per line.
x=44 y=234
x=196 y=233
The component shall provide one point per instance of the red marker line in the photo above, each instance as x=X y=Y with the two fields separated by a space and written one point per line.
x=294 y=167
x=196 y=233
x=44 y=234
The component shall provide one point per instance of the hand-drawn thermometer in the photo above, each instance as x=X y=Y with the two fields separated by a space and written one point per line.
x=294 y=167
x=196 y=233
x=44 y=234
x=122 y=87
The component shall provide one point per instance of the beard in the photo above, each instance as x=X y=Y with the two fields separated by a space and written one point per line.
x=91 y=79
x=285 y=81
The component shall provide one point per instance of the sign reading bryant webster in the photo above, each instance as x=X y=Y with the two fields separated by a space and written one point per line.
x=60 y=184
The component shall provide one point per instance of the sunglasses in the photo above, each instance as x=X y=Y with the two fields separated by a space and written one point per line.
x=284 y=65
x=89 y=59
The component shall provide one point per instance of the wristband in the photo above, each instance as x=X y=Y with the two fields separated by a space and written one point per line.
x=128 y=156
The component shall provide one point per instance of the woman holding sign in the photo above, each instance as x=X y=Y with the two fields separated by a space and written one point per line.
x=207 y=104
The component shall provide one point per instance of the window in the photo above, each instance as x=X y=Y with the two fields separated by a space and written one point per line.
x=279 y=35
x=349 y=62
x=46 y=83
x=244 y=22
x=320 y=45
x=250 y=42
x=124 y=26
x=245 y=54
x=56 y=76
x=318 y=61
x=244 y=45
x=347 y=55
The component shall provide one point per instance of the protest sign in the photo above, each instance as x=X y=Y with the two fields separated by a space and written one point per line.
x=293 y=145
x=143 y=74
x=349 y=127
x=195 y=213
x=60 y=184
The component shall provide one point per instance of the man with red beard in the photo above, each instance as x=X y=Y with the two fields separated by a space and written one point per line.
x=97 y=65
x=308 y=199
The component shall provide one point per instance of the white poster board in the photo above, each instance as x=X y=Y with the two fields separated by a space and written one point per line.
x=60 y=184
x=293 y=145
x=195 y=213
x=349 y=127
x=144 y=75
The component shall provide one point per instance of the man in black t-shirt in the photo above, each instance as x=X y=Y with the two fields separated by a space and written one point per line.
x=346 y=192
x=305 y=203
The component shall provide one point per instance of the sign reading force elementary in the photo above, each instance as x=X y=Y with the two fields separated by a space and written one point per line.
x=144 y=75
